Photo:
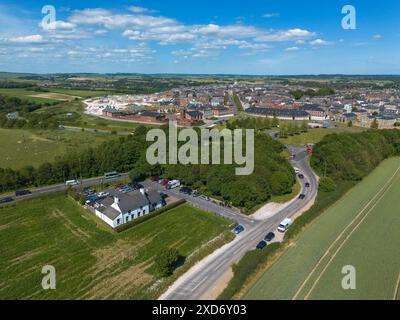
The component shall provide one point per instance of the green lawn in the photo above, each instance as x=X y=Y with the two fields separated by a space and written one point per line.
x=20 y=148
x=314 y=136
x=368 y=240
x=91 y=260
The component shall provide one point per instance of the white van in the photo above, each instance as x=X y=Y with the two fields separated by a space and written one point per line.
x=284 y=225
x=173 y=184
x=72 y=183
x=297 y=170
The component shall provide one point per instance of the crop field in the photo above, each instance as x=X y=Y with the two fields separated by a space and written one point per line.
x=360 y=230
x=91 y=260
x=21 y=148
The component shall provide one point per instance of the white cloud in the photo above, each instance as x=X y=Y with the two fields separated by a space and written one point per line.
x=377 y=36
x=287 y=35
x=137 y=9
x=36 y=38
x=292 y=49
x=320 y=42
x=271 y=15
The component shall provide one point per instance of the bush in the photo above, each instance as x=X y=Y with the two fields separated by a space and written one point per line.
x=166 y=262
x=327 y=184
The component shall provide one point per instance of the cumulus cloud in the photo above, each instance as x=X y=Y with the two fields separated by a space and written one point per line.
x=35 y=38
x=292 y=49
x=270 y=15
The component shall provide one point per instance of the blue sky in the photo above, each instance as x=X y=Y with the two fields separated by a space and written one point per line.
x=266 y=37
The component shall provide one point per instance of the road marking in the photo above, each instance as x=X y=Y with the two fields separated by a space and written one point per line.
x=396 y=290
x=387 y=185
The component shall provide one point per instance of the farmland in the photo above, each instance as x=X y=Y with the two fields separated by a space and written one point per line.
x=360 y=230
x=92 y=261
x=21 y=148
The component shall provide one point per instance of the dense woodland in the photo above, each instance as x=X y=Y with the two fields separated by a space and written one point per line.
x=273 y=174
x=352 y=156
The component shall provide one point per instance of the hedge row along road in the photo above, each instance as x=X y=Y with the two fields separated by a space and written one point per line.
x=360 y=230
x=201 y=281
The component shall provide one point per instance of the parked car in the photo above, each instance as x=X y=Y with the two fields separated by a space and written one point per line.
x=196 y=194
x=203 y=197
x=173 y=184
x=103 y=194
x=284 y=225
x=308 y=185
x=302 y=196
x=6 y=200
x=238 y=229
x=261 y=245
x=119 y=186
x=21 y=193
x=186 y=190
x=164 y=183
x=269 y=237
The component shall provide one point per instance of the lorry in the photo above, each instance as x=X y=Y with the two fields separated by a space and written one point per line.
x=284 y=225
x=71 y=183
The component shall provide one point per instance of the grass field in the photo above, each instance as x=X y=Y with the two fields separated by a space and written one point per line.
x=91 y=260
x=314 y=136
x=360 y=230
x=20 y=148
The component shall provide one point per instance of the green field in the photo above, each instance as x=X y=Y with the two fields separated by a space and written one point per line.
x=91 y=260
x=314 y=136
x=21 y=148
x=361 y=230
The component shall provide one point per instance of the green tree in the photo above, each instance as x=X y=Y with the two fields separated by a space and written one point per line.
x=327 y=184
x=374 y=124
x=166 y=261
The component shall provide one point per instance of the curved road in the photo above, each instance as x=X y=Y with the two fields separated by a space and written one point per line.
x=199 y=281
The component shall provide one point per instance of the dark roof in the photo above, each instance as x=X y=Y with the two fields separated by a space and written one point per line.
x=111 y=213
x=195 y=114
x=313 y=107
x=111 y=110
x=152 y=114
x=278 y=112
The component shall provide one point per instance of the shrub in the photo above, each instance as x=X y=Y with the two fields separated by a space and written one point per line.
x=327 y=184
x=166 y=262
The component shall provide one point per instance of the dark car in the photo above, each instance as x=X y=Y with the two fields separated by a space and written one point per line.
x=301 y=176
x=135 y=186
x=196 y=194
x=308 y=185
x=261 y=245
x=186 y=190
x=238 y=229
x=6 y=200
x=269 y=237
x=21 y=193
x=302 y=196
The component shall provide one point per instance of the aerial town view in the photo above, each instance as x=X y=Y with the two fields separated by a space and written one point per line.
x=168 y=152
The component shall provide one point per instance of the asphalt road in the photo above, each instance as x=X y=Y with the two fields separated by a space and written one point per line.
x=62 y=187
x=203 y=278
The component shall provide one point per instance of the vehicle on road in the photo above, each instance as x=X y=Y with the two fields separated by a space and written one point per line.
x=301 y=176
x=238 y=229
x=103 y=194
x=6 y=200
x=196 y=194
x=71 y=183
x=163 y=183
x=302 y=196
x=284 y=225
x=261 y=245
x=111 y=175
x=297 y=170
x=308 y=185
x=173 y=184
x=21 y=193
x=269 y=237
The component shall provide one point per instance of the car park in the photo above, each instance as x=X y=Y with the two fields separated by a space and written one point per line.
x=269 y=237
x=21 y=193
x=261 y=245
x=238 y=229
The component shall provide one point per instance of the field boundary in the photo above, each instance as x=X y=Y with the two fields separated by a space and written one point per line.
x=379 y=195
x=396 y=290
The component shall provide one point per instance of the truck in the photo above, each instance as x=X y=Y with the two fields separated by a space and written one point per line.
x=284 y=225
x=71 y=183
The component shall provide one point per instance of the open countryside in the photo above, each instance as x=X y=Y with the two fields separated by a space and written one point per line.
x=91 y=260
x=359 y=230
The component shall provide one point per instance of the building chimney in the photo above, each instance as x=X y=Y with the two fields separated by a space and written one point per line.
x=142 y=191
x=116 y=200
